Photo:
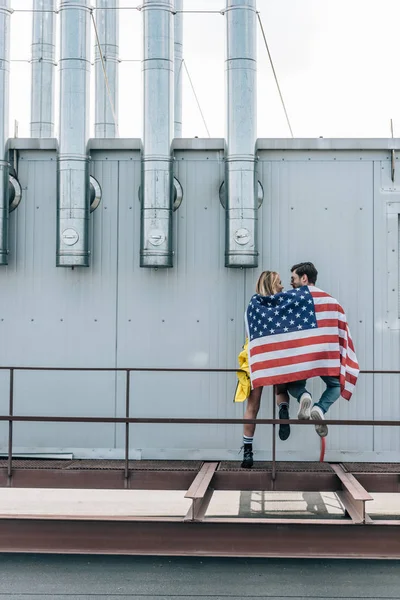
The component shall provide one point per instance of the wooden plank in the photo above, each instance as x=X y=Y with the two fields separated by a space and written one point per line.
x=202 y=480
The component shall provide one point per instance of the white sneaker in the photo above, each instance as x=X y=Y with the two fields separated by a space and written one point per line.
x=305 y=406
x=318 y=415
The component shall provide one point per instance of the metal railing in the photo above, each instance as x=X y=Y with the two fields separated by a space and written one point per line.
x=128 y=420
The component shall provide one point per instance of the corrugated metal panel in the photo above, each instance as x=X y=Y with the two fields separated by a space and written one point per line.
x=330 y=207
x=56 y=317
x=386 y=317
x=313 y=210
x=191 y=316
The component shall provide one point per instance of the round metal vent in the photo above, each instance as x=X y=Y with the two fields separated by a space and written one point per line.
x=95 y=193
x=178 y=195
x=15 y=193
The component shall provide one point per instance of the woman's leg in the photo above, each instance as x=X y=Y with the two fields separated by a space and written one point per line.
x=282 y=400
x=251 y=412
x=281 y=395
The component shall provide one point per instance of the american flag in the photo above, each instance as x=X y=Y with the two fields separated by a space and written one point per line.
x=299 y=334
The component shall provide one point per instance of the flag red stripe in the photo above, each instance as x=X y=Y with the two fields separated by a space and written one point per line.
x=293 y=343
x=294 y=360
x=300 y=375
x=351 y=378
x=332 y=323
x=328 y=307
x=320 y=295
x=350 y=363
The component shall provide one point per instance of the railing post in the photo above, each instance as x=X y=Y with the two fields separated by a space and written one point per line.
x=273 y=475
x=127 y=399
x=10 y=424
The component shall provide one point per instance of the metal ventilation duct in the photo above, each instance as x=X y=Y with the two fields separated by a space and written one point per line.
x=157 y=177
x=5 y=12
x=43 y=68
x=240 y=177
x=73 y=170
x=178 y=54
x=107 y=21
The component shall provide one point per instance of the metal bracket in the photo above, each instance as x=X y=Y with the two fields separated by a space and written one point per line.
x=200 y=493
x=353 y=496
x=393 y=166
x=393 y=153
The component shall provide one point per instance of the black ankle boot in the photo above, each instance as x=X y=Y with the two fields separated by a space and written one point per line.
x=284 y=430
x=247 y=456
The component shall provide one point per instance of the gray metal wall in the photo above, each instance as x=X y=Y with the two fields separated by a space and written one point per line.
x=329 y=201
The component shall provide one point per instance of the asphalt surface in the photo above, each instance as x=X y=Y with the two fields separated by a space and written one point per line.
x=34 y=577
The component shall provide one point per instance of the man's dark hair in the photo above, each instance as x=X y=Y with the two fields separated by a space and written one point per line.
x=306 y=268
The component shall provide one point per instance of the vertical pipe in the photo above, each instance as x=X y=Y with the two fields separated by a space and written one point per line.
x=240 y=176
x=106 y=114
x=178 y=60
x=158 y=121
x=73 y=169
x=43 y=68
x=5 y=12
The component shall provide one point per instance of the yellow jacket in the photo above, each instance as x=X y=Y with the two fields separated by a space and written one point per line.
x=244 y=386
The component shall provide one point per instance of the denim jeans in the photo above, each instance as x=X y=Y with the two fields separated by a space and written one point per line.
x=330 y=395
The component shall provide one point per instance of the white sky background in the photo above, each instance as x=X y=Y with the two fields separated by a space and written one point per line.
x=336 y=61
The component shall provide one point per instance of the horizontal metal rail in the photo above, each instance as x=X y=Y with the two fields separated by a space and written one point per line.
x=192 y=421
x=128 y=420
x=158 y=370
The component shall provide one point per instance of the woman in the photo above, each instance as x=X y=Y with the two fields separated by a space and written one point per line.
x=268 y=283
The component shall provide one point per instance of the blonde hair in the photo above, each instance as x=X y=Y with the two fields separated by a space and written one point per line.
x=267 y=283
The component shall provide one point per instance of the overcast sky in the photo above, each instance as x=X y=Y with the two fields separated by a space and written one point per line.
x=336 y=61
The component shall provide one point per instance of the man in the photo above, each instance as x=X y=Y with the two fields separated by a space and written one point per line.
x=306 y=274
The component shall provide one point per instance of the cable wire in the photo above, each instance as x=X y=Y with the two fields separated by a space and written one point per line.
x=195 y=95
x=274 y=72
x=105 y=74
x=138 y=8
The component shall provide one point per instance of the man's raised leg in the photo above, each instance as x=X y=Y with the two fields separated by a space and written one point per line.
x=298 y=390
x=330 y=395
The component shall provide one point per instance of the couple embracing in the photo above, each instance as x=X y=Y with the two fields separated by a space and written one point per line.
x=293 y=336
